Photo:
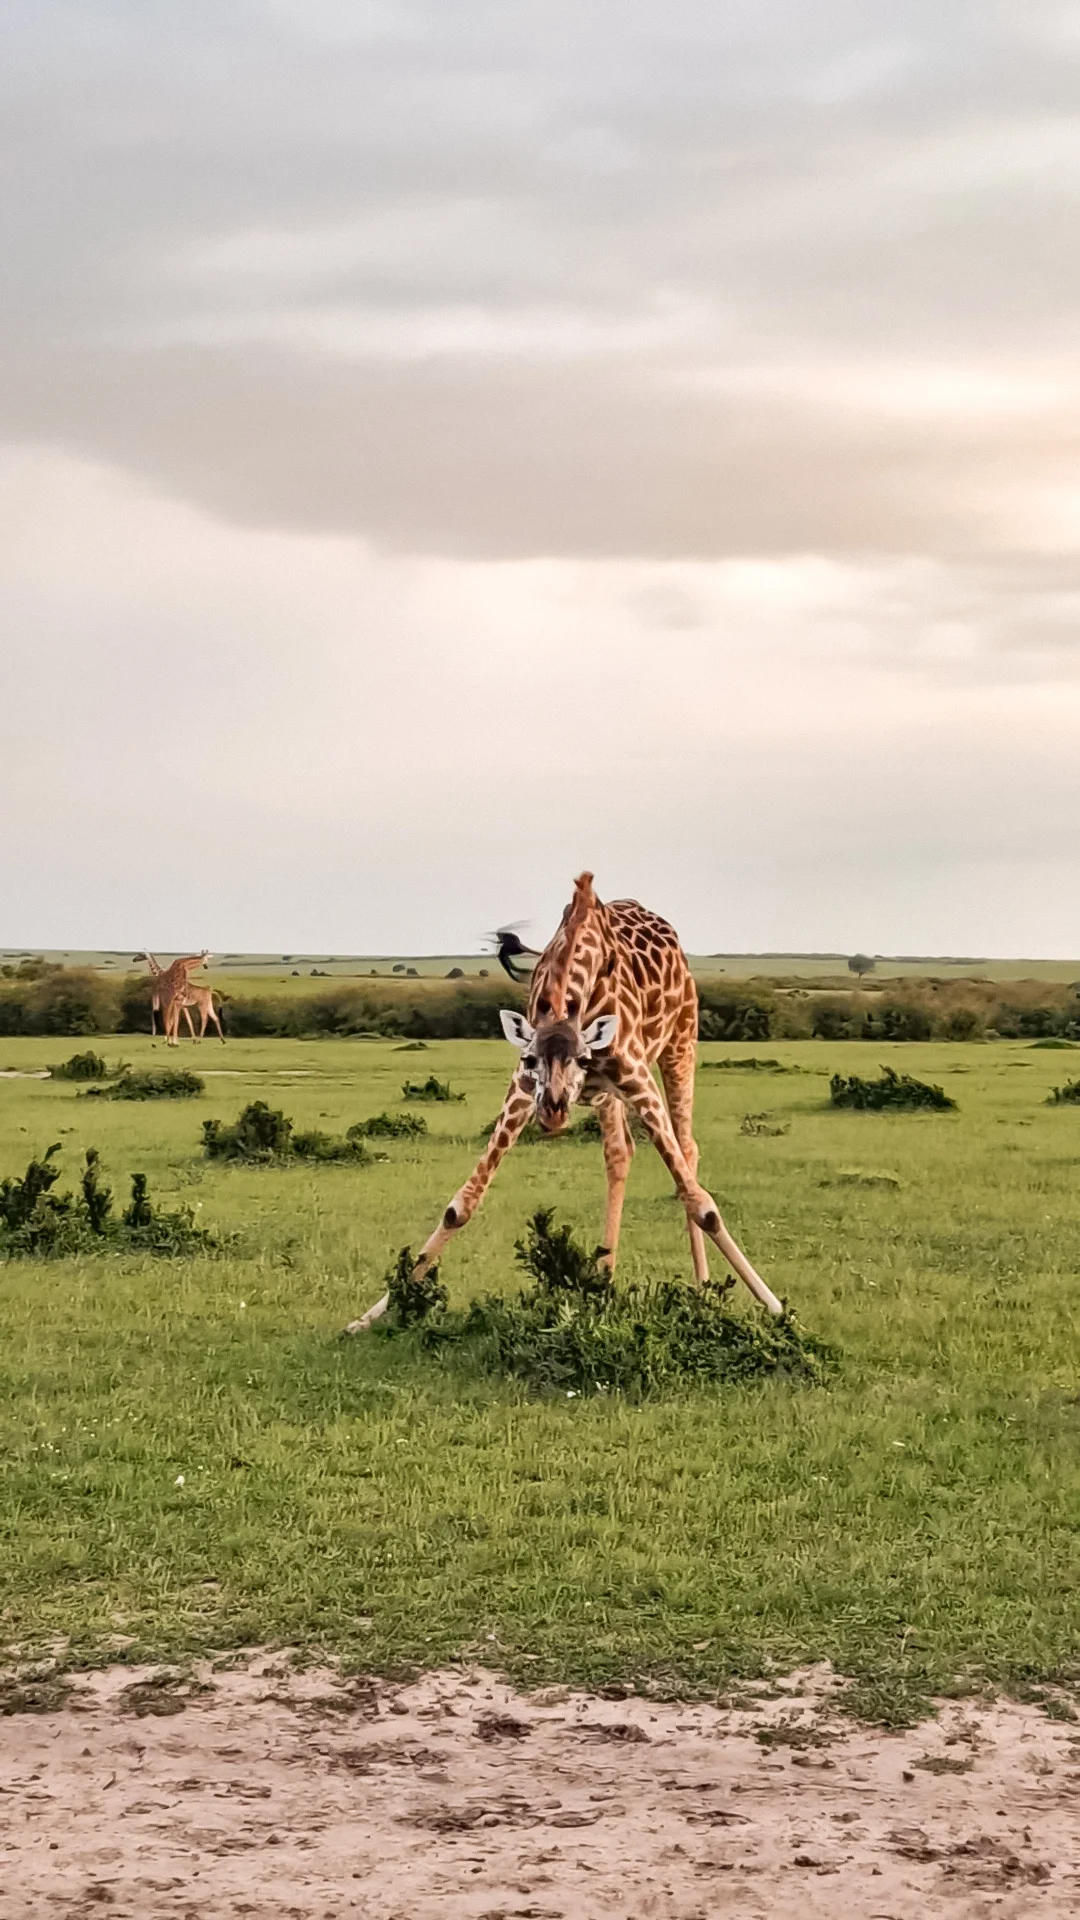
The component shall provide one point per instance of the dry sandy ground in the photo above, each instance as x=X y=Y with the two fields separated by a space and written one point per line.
x=280 y=1793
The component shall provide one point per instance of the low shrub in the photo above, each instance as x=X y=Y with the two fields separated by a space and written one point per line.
x=570 y=1330
x=82 y=1066
x=1068 y=1095
x=429 y=1089
x=156 y=1083
x=36 y=1222
x=752 y=1064
x=259 y=1133
x=893 y=1093
x=763 y=1123
x=264 y=1136
x=724 y=1014
x=389 y=1126
x=896 y=1020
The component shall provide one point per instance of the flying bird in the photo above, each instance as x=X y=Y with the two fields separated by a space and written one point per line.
x=510 y=947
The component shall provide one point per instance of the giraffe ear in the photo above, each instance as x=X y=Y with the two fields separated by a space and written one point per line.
x=516 y=1028
x=600 y=1034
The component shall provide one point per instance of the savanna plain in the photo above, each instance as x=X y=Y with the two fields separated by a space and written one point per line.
x=195 y=1463
x=913 y=1520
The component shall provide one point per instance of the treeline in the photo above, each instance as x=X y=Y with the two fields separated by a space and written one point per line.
x=68 y=1001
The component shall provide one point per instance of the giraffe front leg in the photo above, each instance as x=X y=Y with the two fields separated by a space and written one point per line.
x=618 y=1153
x=640 y=1091
x=517 y=1108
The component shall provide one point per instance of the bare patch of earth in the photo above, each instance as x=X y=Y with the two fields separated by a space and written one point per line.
x=257 y=1789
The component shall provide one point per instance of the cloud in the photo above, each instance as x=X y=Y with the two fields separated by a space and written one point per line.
x=473 y=442
x=263 y=731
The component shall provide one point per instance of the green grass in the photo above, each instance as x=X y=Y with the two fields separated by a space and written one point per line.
x=914 y=1521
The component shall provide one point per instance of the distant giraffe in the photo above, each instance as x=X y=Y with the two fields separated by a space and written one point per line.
x=157 y=972
x=203 y=998
x=612 y=995
x=169 y=996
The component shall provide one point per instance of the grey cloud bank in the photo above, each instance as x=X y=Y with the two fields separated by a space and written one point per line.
x=442 y=447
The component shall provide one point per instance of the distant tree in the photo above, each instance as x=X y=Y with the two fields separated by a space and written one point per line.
x=861 y=963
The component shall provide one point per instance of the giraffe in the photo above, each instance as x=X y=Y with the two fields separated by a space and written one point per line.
x=203 y=998
x=157 y=971
x=171 y=984
x=612 y=995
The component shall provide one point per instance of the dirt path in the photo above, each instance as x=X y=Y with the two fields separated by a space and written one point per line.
x=276 y=1793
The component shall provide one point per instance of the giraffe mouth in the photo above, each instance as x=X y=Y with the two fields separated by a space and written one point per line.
x=552 y=1117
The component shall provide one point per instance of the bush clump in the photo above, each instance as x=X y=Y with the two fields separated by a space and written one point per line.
x=752 y=1064
x=155 y=1083
x=1068 y=1095
x=264 y=1136
x=388 y=1126
x=430 y=1089
x=259 y=1133
x=82 y=1066
x=36 y=1222
x=893 y=1093
x=570 y=1330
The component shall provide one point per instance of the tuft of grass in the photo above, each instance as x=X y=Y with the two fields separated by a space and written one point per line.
x=82 y=1066
x=157 y=1083
x=571 y=1331
x=1068 y=1095
x=854 y=1177
x=763 y=1124
x=430 y=1089
x=893 y=1093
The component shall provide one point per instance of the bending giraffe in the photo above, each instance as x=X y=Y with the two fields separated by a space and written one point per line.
x=171 y=985
x=612 y=995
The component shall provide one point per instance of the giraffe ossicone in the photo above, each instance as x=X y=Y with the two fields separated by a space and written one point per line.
x=611 y=997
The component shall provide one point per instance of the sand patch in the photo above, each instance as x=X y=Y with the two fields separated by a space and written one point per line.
x=256 y=1790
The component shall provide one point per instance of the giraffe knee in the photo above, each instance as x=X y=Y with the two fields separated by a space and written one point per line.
x=710 y=1221
x=450 y=1219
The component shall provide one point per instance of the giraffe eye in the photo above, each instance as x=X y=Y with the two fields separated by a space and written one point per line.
x=571 y=1008
x=529 y=1060
x=543 y=1006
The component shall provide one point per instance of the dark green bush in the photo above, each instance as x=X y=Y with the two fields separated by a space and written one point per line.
x=264 y=1136
x=893 y=1093
x=155 y=1083
x=389 y=1126
x=82 y=1066
x=259 y=1133
x=64 y=1001
x=37 y=1223
x=429 y=1089
x=752 y=1064
x=833 y=1020
x=571 y=1331
x=1068 y=1095
x=896 y=1021
x=726 y=1015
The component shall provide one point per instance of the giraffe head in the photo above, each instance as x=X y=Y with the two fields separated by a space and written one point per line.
x=556 y=1047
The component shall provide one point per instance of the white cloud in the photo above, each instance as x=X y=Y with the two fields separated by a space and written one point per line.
x=268 y=739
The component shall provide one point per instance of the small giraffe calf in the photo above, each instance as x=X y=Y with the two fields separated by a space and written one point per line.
x=612 y=995
x=203 y=998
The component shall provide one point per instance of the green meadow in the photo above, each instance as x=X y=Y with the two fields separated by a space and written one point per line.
x=191 y=1459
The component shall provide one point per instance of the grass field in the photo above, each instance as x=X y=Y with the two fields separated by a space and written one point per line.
x=191 y=1459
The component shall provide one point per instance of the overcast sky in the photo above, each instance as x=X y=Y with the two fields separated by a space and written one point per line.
x=443 y=446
